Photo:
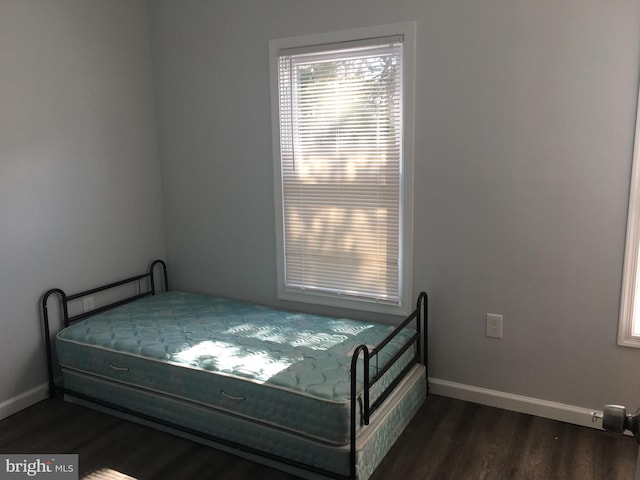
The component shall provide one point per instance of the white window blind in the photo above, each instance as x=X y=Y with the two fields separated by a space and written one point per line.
x=340 y=114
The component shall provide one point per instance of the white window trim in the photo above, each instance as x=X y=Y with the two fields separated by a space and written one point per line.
x=629 y=311
x=407 y=29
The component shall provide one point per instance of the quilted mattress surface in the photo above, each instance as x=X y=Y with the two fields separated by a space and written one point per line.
x=281 y=369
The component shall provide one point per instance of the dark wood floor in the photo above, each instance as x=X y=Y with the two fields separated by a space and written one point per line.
x=449 y=439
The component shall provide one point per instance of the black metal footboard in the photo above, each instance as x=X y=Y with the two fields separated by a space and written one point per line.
x=360 y=395
x=419 y=341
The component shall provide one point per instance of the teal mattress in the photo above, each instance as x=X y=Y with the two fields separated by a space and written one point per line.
x=279 y=369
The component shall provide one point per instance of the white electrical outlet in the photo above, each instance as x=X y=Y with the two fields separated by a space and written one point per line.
x=494 y=325
x=88 y=304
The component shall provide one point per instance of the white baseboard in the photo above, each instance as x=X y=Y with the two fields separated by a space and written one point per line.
x=24 y=400
x=517 y=403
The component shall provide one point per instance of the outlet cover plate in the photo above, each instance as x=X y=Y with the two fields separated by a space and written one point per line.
x=88 y=303
x=494 y=325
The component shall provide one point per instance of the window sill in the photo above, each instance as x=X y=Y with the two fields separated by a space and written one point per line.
x=350 y=303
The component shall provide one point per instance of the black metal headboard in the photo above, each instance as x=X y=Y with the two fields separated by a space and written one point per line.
x=145 y=289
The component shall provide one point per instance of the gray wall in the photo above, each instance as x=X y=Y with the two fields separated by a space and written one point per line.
x=524 y=132
x=80 y=187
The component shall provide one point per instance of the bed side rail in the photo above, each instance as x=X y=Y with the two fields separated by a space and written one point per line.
x=145 y=287
x=420 y=343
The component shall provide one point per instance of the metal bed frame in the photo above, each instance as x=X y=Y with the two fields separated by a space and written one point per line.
x=146 y=287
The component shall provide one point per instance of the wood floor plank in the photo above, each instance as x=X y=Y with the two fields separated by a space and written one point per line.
x=447 y=440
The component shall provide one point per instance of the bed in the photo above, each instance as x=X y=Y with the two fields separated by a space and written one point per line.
x=317 y=396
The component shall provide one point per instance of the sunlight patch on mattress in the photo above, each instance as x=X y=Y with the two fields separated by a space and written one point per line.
x=299 y=336
x=228 y=358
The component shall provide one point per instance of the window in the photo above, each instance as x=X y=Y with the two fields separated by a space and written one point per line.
x=343 y=145
x=629 y=327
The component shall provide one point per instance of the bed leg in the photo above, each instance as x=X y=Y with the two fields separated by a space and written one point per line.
x=47 y=332
x=423 y=326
